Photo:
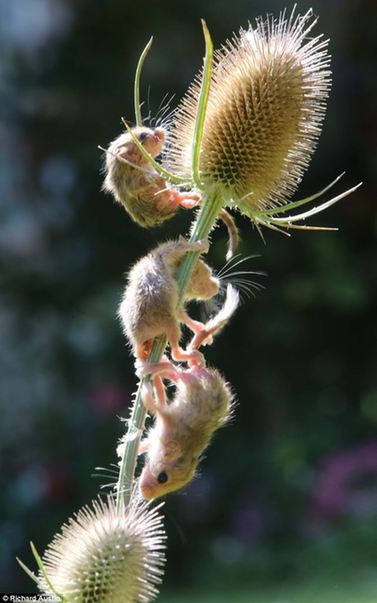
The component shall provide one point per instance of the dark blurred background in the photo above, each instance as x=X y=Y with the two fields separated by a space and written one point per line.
x=285 y=506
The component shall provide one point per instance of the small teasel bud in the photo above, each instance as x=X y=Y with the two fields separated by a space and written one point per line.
x=106 y=556
x=265 y=110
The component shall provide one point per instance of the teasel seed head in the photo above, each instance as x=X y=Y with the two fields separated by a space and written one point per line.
x=108 y=557
x=265 y=110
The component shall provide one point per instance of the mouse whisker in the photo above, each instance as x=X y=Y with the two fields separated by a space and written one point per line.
x=230 y=265
x=109 y=485
x=244 y=272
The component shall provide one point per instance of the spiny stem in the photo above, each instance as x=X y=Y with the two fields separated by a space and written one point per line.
x=203 y=225
x=135 y=429
x=206 y=219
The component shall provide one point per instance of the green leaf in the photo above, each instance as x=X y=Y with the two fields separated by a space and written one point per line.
x=148 y=157
x=138 y=117
x=44 y=573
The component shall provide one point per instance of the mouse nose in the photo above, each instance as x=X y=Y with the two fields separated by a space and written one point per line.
x=148 y=485
x=215 y=285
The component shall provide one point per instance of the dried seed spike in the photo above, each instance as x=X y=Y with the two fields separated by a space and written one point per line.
x=103 y=555
x=265 y=111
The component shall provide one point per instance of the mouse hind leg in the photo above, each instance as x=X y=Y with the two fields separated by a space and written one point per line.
x=194 y=325
x=178 y=354
x=160 y=392
x=201 y=334
x=202 y=337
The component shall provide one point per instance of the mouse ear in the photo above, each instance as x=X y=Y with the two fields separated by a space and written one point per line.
x=172 y=450
x=143 y=446
x=125 y=151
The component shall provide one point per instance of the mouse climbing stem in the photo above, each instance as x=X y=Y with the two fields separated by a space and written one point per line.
x=210 y=208
x=206 y=220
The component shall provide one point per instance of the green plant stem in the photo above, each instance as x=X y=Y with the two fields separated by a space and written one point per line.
x=206 y=219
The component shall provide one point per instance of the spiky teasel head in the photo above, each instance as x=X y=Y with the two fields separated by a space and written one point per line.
x=265 y=109
x=105 y=556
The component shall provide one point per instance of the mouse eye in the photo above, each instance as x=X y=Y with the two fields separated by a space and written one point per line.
x=143 y=136
x=162 y=477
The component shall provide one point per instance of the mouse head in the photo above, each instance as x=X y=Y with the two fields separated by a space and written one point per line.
x=203 y=284
x=166 y=471
x=153 y=141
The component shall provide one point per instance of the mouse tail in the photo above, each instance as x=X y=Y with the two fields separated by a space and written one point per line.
x=233 y=235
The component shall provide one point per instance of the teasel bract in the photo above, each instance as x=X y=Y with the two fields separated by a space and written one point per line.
x=266 y=105
x=105 y=555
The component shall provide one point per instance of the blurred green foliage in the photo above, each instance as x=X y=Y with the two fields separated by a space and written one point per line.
x=287 y=494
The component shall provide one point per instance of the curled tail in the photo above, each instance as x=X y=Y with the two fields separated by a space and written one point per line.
x=233 y=236
x=218 y=322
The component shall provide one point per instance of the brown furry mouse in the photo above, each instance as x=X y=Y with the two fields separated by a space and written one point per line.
x=149 y=307
x=142 y=192
x=183 y=428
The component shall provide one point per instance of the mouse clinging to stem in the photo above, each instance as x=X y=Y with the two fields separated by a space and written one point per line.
x=140 y=184
x=145 y=194
x=149 y=306
x=134 y=182
x=183 y=428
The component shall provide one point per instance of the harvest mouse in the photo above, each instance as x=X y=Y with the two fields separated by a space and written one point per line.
x=183 y=428
x=144 y=194
x=149 y=307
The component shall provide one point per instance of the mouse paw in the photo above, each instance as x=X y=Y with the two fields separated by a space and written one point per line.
x=186 y=200
x=195 y=358
x=189 y=356
x=208 y=340
x=165 y=368
x=202 y=337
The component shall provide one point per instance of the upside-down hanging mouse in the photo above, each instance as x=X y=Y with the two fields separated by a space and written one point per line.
x=183 y=428
x=145 y=194
x=141 y=190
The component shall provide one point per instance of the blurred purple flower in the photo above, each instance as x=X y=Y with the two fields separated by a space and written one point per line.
x=58 y=481
x=250 y=517
x=347 y=483
x=196 y=500
x=37 y=482
x=248 y=522
x=109 y=398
